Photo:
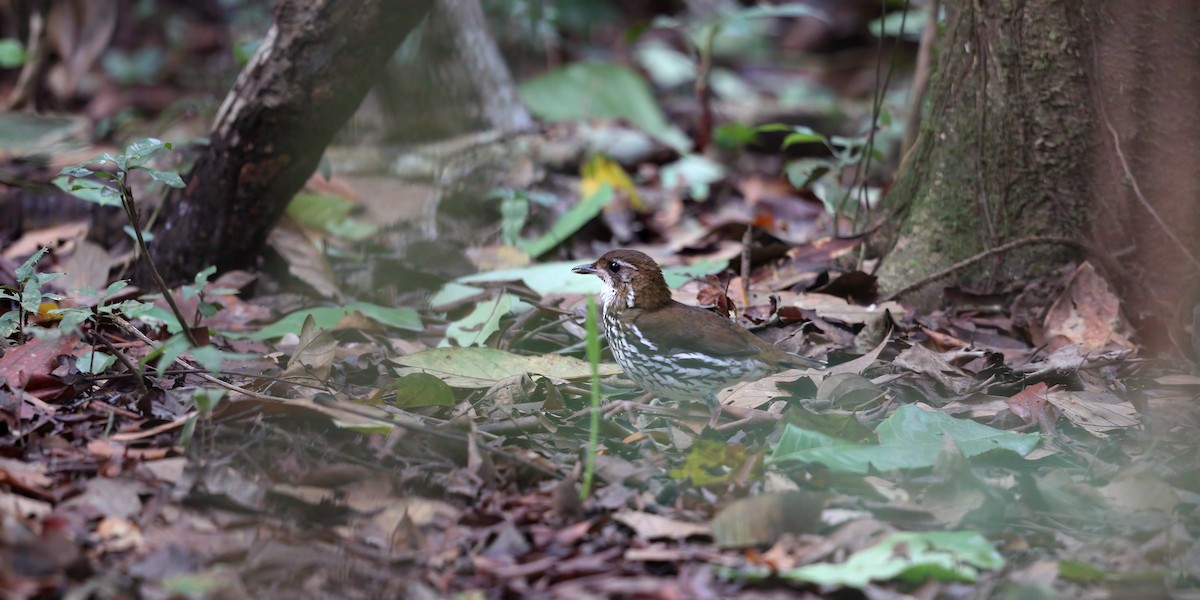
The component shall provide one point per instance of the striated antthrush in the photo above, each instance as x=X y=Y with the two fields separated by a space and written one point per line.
x=675 y=351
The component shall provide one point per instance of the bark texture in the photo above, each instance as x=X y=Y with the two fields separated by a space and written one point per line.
x=316 y=64
x=1001 y=153
x=1019 y=141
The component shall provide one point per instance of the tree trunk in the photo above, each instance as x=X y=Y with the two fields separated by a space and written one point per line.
x=316 y=64
x=1019 y=142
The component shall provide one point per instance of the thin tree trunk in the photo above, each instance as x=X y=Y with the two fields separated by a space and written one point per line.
x=316 y=64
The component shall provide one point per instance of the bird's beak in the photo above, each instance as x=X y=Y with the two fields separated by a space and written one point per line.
x=588 y=269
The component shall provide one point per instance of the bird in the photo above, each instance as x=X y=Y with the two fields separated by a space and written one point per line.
x=675 y=351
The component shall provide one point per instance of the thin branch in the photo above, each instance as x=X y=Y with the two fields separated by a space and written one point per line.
x=962 y=264
x=1137 y=191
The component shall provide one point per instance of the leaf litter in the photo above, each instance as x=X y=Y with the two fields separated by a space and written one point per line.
x=366 y=448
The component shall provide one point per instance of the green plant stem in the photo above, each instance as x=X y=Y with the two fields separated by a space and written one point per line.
x=124 y=360
x=132 y=212
x=593 y=355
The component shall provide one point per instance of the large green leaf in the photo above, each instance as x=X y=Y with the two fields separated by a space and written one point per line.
x=600 y=90
x=328 y=316
x=569 y=223
x=482 y=367
x=910 y=556
x=909 y=439
x=557 y=278
x=475 y=328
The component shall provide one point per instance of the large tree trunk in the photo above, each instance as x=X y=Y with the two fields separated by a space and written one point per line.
x=317 y=62
x=1018 y=142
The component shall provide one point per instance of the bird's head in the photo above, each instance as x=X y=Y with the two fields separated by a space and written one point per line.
x=631 y=280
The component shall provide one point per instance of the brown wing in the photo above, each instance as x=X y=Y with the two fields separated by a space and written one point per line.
x=702 y=330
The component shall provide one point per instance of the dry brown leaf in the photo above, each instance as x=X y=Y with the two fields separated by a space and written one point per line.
x=1095 y=412
x=1087 y=313
x=651 y=527
x=305 y=260
x=51 y=237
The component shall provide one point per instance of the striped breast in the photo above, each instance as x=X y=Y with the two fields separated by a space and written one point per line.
x=682 y=376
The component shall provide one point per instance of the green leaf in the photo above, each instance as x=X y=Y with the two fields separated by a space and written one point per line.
x=575 y=218
x=421 y=389
x=802 y=172
x=143 y=149
x=26 y=271
x=802 y=138
x=397 y=317
x=694 y=171
x=90 y=190
x=170 y=178
x=12 y=53
x=198 y=282
x=207 y=399
x=557 y=278
x=211 y=357
x=315 y=211
x=908 y=556
x=242 y=52
x=475 y=328
x=908 y=439
x=372 y=428
x=8 y=323
x=604 y=90
x=482 y=367
x=327 y=317
x=781 y=10
x=94 y=363
x=170 y=350
x=514 y=210
x=734 y=135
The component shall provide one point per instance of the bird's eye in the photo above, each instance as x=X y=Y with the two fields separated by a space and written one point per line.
x=614 y=266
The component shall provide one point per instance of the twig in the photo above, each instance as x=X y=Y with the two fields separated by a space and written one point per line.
x=916 y=98
x=1137 y=191
x=962 y=264
x=131 y=211
x=747 y=239
x=124 y=360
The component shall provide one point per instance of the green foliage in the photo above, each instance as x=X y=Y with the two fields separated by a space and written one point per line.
x=475 y=328
x=547 y=278
x=12 y=53
x=821 y=175
x=330 y=214
x=28 y=295
x=326 y=317
x=593 y=356
x=575 y=218
x=138 y=67
x=600 y=90
x=908 y=556
x=244 y=51
x=908 y=439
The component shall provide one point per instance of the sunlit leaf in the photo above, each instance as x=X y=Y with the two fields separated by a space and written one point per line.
x=481 y=367
x=908 y=556
x=908 y=439
x=94 y=363
x=169 y=178
x=421 y=389
x=327 y=317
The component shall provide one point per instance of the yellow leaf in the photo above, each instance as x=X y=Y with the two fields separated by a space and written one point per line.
x=44 y=311
x=600 y=170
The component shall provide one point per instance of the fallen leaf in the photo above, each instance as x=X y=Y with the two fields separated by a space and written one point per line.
x=652 y=527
